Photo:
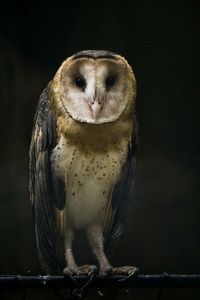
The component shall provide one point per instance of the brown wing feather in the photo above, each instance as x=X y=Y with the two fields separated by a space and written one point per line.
x=120 y=196
x=46 y=190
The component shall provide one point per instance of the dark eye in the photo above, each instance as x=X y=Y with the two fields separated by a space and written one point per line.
x=80 y=82
x=110 y=81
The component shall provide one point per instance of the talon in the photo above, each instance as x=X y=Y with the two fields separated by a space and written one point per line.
x=88 y=270
x=106 y=271
x=125 y=270
x=71 y=271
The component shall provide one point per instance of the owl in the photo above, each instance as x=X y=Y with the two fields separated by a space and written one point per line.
x=82 y=160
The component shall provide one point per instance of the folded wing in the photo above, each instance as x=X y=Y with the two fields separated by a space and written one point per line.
x=47 y=191
x=121 y=194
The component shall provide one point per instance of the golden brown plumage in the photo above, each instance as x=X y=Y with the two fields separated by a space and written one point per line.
x=82 y=158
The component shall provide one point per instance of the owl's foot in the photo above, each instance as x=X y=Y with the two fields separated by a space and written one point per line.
x=105 y=271
x=71 y=270
x=87 y=270
x=125 y=270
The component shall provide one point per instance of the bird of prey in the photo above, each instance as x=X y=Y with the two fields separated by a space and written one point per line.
x=82 y=159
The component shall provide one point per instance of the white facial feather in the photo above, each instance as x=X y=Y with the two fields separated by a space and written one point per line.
x=96 y=102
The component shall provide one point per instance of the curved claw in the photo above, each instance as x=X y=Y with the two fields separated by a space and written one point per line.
x=106 y=271
x=71 y=271
x=87 y=270
x=125 y=270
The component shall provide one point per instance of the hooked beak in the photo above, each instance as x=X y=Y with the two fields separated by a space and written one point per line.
x=95 y=107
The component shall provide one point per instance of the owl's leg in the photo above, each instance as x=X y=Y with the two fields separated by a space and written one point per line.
x=71 y=268
x=95 y=237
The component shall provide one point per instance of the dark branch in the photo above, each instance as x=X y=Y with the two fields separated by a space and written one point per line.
x=135 y=281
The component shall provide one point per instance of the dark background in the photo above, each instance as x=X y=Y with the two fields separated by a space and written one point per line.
x=161 y=41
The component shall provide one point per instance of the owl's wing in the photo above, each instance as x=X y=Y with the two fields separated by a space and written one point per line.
x=120 y=196
x=46 y=189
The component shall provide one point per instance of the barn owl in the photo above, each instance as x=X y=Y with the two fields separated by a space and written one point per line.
x=82 y=160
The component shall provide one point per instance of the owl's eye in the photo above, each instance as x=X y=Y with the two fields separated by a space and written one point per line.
x=110 y=81
x=80 y=82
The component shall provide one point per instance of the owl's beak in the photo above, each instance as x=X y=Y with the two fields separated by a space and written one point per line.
x=95 y=107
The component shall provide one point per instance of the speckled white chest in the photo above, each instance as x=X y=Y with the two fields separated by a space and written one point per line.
x=89 y=180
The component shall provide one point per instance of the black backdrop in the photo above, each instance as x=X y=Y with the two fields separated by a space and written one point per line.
x=161 y=41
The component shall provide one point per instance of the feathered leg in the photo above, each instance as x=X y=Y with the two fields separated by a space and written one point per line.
x=71 y=268
x=95 y=237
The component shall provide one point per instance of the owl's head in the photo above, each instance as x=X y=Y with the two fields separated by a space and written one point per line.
x=96 y=86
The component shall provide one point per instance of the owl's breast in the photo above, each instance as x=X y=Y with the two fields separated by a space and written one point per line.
x=89 y=179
